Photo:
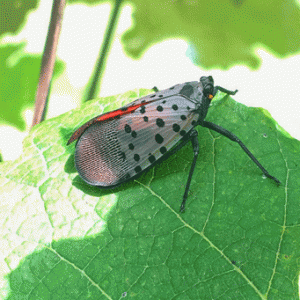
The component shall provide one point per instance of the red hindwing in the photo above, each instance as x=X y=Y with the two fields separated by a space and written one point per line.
x=115 y=114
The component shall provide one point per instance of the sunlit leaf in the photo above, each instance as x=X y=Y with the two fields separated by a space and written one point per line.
x=238 y=239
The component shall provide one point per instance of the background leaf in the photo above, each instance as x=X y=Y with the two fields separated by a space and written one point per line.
x=19 y=79
x=239 y=236
x=13 y=13
x=221 y=33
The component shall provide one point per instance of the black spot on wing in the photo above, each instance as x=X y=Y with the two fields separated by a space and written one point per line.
x=127 y=128
x=187 y=90
x=160 y=122
x=151 y=159
x=142 y=110
x=159 y=139
x=159 y=108
x=136 y=157
x=176 y=127
x=137 y=169
x=163 y=150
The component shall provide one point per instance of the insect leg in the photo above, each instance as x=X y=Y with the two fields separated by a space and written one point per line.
x=193 y=137
x=234 y=138
x=219 y=88
x=195 y=144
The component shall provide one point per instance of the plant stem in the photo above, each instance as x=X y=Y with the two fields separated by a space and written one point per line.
x=48 y=61
x=95 y=80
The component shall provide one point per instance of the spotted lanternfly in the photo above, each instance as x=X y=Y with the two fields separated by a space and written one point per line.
x=120 y=145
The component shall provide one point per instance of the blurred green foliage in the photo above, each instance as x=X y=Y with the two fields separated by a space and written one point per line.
x=220 y=33
x=18 y=82
x=13 y=14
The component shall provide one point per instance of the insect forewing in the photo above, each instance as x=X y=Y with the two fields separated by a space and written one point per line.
x=113 y=151
x=178 y=88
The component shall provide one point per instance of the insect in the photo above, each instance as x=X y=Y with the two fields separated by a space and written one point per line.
x=120 y=145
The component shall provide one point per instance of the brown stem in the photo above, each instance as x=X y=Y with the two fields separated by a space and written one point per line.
x=48 y=61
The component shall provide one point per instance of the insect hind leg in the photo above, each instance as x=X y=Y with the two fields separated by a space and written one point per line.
x=234 y=138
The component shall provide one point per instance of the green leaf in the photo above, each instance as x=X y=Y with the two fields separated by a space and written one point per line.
x=221 y=33
x=18 y=82
x=238 y=239
x=13 y=13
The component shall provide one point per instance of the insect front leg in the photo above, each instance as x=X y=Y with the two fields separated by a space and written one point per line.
x=193 y=137
x=234 y=138
x=195 y=144
x=221 y=89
